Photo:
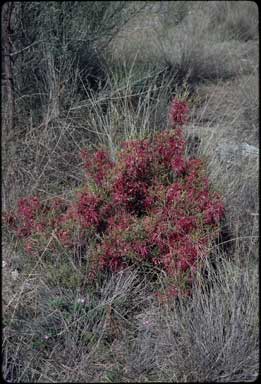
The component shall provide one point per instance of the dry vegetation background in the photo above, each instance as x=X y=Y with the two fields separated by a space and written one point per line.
x=113 y=81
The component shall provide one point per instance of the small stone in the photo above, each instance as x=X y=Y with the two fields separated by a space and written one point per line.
x=249 y=149
x=15 y=274
x=232 y=152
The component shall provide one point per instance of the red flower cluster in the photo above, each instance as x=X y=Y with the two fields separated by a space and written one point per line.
x=153 y=207
x=133 y=176
x=88 y=209
x=178 y=113
x=28 y=209
x=98 y=165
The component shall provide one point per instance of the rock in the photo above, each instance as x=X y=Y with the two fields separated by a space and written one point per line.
x=15 y=274
x=230 y=152
x=249 y=150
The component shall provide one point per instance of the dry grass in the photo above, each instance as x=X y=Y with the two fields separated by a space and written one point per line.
x=228 y=115
x=53 y=321
x=120 y=332
x=212 y=337
x=235 y=20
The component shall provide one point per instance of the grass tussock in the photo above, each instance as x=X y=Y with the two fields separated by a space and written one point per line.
x=209 y=337
x=57 y=327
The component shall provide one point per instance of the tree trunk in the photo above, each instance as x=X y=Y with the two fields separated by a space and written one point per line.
x=8 y=110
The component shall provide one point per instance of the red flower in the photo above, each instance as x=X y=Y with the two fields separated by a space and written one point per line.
x=88 y=209
x=97 y=165
x=178 y=113
x=174 y=192
x=28 y=207
x=185 y=224
x=178 y=166
x=10 y=219
x=141 y=249
x=23 y=232
x=214 y=212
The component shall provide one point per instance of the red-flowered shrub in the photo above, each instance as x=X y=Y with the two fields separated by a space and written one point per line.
x=153 y=206
x=97 y=166
x=179 y=112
